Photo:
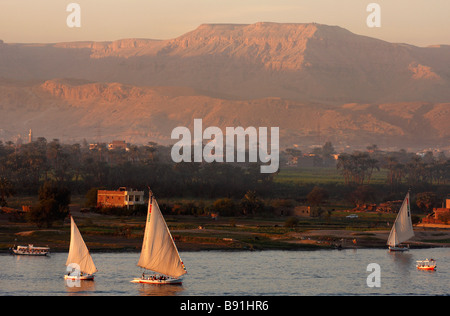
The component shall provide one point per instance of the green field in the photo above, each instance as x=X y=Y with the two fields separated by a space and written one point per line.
x=315 y=175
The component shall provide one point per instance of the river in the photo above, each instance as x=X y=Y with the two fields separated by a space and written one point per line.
x=216 y=273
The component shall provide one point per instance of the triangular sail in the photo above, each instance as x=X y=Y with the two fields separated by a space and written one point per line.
x=159 y=252
x=78 y=252
x=403 y=228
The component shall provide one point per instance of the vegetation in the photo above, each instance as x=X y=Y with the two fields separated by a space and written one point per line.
x=53 y=205
x=6 y=190
x=228 y=189
x=28 y=166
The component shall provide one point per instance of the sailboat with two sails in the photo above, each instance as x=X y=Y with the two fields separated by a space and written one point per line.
x=79 y=259
x=402 y=230
x=159 y=252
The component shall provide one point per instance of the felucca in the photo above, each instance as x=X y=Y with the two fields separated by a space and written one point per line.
x=159 y=252
x=402 y=230
x=79 y=259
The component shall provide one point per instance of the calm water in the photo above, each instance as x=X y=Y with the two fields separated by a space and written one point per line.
x=274 y=273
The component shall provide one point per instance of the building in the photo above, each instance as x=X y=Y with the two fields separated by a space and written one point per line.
x=439 y=215
x=299 y=211
x=302 y=211
x=122 y=197
x=94 y=146
x=118 y=144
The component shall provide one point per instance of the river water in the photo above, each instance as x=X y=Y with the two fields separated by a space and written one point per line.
x=215 y=273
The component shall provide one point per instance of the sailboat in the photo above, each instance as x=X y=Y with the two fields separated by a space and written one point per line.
x=402 y=230
x=79 y=259
x=159 y=252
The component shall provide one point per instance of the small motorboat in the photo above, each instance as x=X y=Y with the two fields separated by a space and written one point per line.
x=427 y=265
x=30 y=250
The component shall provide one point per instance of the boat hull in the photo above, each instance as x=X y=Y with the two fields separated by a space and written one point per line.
x=22 y=253
x=169 y=281
x=89 y=277
x=427 y=268
x=398 y=249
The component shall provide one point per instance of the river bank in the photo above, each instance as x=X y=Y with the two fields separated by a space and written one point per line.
x=112 y=233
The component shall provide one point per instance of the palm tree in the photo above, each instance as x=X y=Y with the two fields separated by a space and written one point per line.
x=6 y=190
x=373 y=164
x=357 y=167
x=344 y=164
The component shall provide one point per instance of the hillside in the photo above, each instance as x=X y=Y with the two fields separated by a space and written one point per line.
x=305 y=62
x=316 y=82
x=74 y=109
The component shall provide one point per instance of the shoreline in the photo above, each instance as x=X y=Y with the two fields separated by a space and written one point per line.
x=296 y=241
x=195 y=234
x=114 y=250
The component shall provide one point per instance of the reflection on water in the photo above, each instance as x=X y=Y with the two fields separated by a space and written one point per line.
x=255 y=273
x=159 y=290
x=80 y=288
x=402 y=260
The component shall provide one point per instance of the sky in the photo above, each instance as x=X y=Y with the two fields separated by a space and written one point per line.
x=416 y=22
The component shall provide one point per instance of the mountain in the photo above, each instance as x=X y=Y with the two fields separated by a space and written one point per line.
x=74 y=109
x=306 y=62
x=315 y=82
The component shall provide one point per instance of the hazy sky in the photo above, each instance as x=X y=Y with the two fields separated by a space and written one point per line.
x=417 y=22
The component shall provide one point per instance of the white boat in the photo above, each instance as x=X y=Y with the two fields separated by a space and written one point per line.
x=30 y=250
x=79 y=258
x=159 y=252
x=402 y=230
x=427 y=264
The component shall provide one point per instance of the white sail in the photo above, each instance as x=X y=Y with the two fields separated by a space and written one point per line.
x=159 y=252
x=403 y=228
x=78 y=252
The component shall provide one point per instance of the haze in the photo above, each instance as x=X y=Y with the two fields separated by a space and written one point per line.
x=416 y=22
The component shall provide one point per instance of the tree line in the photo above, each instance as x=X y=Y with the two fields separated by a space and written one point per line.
x=403 y=168
x=25 y=168
x=427 y=175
